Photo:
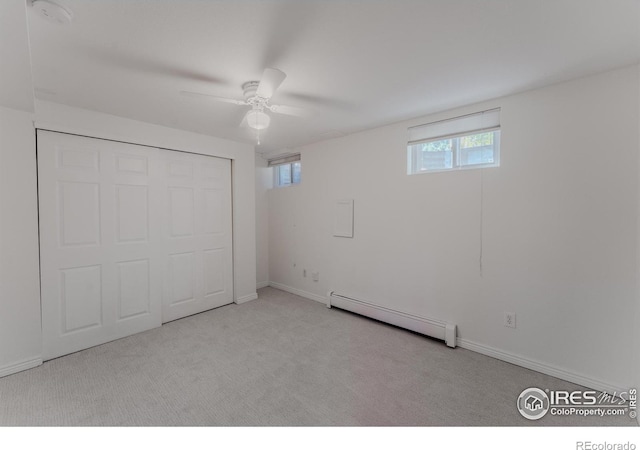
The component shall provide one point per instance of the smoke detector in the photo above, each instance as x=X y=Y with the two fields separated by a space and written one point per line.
x=52 y=11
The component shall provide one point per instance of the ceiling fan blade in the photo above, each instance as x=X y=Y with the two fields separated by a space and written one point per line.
x=213 y=97
x=289 y=110
x=271 y=80
x=243 y=122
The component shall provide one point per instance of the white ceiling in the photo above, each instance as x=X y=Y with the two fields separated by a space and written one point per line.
x=354 y=64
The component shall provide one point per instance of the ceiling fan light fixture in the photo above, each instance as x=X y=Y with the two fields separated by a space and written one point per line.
x=52 y=12
x=258 y=120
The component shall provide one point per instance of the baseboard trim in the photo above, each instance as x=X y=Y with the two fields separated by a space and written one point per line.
x=262 y=284
x=486 y=350
x=246 y=298
x=546 y=369
x=300 y=292
x=20 y=366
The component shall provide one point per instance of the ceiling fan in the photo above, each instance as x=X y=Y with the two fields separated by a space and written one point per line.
x=257 y=94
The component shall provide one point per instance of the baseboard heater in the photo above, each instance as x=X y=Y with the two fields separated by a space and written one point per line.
x=429 y=327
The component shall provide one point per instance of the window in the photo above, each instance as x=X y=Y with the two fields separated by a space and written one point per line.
x=288 y=174
x=287 y=170
x=466 y=142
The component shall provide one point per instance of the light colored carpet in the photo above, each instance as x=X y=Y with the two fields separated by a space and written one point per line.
x=279 y=360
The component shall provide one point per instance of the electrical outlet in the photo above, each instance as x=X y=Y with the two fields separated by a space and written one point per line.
x=315 y=276
x=510 y=319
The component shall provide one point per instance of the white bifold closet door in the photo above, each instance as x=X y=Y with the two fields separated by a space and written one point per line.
x=130 y=237
x=197 y=235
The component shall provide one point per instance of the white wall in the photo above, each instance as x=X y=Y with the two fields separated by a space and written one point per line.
x=16 y=84
x=20 y=331
x=264 y=182
x=557 y=224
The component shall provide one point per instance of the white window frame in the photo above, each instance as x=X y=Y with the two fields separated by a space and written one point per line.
x=454 y=129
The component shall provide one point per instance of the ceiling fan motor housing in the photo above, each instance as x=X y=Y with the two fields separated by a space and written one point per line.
x=250 y=88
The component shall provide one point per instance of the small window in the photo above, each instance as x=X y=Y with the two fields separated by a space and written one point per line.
x=466 y=142
x=288 y=174
x=287 y=170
